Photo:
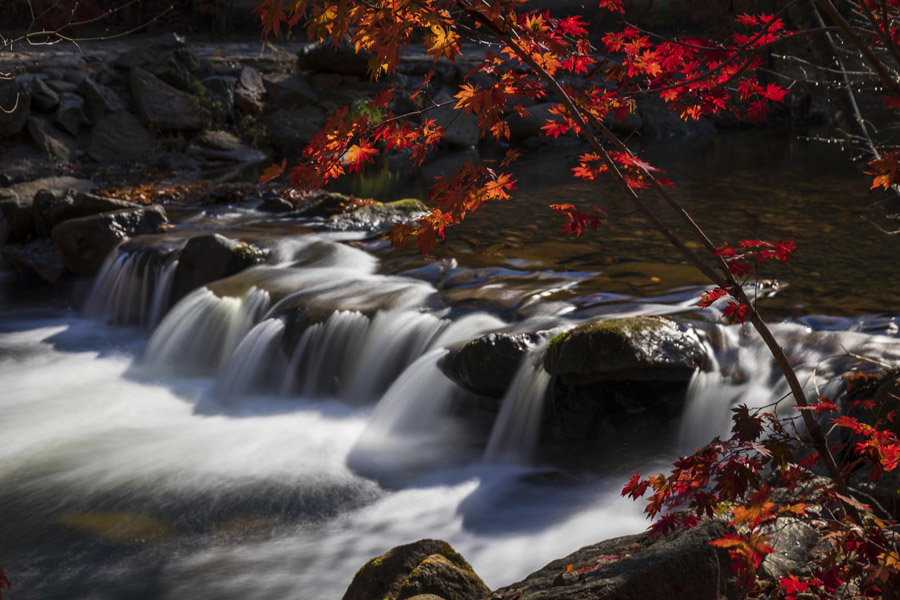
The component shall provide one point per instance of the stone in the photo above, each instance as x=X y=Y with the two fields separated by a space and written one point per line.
x=623 y=349
x=791 y=540
x=521 y=128
x=249 y=90
x=120 y=137
x=289 y=89
x=208 y=258
x=487 y=365
x=52 y=207
x=38 y=257
x=222 y=146
x=378 y=217
x=16 y=103
x=83 y=244
x=57 y=145
x=100 y=99
x=43 y=95
x=70 y=113
x=164 y=107
x=16 y=211
x=61 y=86
x=426 y=567
x=165 y=57
x=220 y=89
x=323 y=56
x=290 y=129
x=274 y=203
x=461 y=130
x=637 y=567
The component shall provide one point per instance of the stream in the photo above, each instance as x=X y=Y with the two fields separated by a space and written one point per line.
x=200 y=451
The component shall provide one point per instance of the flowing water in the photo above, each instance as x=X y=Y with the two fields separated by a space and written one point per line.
x=268 y=434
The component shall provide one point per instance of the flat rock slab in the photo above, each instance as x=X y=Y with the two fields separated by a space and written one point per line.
x=163 y=106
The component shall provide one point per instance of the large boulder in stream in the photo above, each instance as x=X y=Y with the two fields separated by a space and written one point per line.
x=487 y=365
x=208 y=258
x=426 y=567
x=620 y=375
x=83 y=244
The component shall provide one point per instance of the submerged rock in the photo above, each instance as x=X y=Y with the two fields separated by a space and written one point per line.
x=487 y=365
x=426 y=567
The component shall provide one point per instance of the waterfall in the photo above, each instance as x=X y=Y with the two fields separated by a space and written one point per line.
x=202 y=331
x=254 y=361
x=132 y=288
x=518 y=425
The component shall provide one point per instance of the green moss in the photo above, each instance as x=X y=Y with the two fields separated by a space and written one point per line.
x=448 y=551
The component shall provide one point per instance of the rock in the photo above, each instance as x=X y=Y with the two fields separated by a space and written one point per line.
x=627 y=349
x=222 y=146
x=43 y=95
x=325 y=57
x=327 y=203
x=791 y=539
x=16 y=202
x=56 y=144
x=291 y=128
x=487 y=365
x=426 y=567
x=100 y=99
x=274 y=203
x=83 y=244
x=249 y=90
x=289 y=89
x=521 y=128
x=38 y=257
x=167 y=58
x=120 y=137
x=637 y=567
x=220 y=89
x=461 y=130
x=16 y=103
x=70 y=113
x=52 y=207
x=208 y=258
x=164 y=107
x=62 y=87
x=378 y=217
x=659 y=123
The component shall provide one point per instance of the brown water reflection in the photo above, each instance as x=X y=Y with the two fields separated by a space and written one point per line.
x=736 y=185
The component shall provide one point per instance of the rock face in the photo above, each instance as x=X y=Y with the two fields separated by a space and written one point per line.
x=17 y=201
x=424 y=567
x=84 y=243
x=208 y=258
x=680 y=565
x=487 y=365
x=164 y=107
x=291 y=128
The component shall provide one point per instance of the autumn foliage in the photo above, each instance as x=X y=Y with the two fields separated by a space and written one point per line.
x=766 y=471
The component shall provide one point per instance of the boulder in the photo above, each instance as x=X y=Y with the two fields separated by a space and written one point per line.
x=56 y=144
x=289 y=89
x=461 y=130
x=626 y=349
x=42 y=94
x=222 y=146
x=426 y=567
x=52 y=207
x=342 y=59
x=16 y=103
x=70 y=113
x=208 y=258
x=166 y=57
x=249 y=90
x=791 y=540
x=487 y=365
x=38 y=257
x=16 y=202
x=120 y=137
x=521 y=128
x=378 y=217
x=100 y=99
x=83 y=244
x=220 y=89
x=291 y=128
x=62 y=86
x=164 y=107
x=637 y=567
x=272 y=202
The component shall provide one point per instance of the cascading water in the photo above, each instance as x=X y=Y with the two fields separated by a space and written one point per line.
x=255 y=362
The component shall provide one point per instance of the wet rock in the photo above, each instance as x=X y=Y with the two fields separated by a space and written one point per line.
x=16 y=202
x=222 y=146
x=429 y=567
x=631 y=348
x=119 y=138
x=57 y=145
x=275 y=203
x=83 y=244
x=100 y=99
x=16 y=103
x=637 y=567
x=487 y=365
x=249 y=90
x=70 y=113
x=461 y=130
x=327 y=204
x=341 y=59
x=38 y=257
x=289 y=89
x=378 y=217
x=291 y=128
x=164 y=107
x=208 y=258
x=52 y=207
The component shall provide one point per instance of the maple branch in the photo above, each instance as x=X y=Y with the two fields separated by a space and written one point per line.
x=881 y=31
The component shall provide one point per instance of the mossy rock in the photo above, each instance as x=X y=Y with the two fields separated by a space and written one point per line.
x=378 y=217
x=625 y=349
x=424 y=567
